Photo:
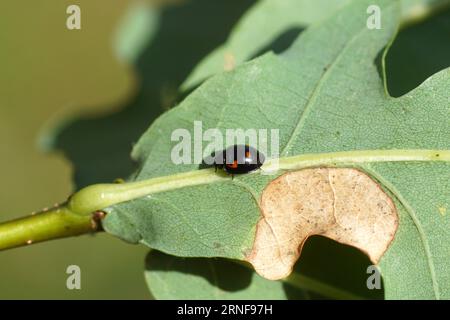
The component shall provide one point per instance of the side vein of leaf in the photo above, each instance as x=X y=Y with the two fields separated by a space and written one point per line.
x=411 y=212
x=315 y=92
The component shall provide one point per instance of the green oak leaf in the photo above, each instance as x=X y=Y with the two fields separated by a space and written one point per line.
x=274 y=24
x=325 y=94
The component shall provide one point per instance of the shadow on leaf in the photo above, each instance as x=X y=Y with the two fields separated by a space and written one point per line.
x=223 y=274
x=281 y=43
x=337 y=265
x=323 y=260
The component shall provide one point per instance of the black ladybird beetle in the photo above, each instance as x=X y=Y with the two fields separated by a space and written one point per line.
x=238 y=159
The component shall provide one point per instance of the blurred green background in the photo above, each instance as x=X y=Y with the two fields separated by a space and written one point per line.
x=109 y=94
x=46 y=70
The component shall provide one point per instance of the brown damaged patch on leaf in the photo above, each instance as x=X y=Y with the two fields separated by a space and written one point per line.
x=343 y=204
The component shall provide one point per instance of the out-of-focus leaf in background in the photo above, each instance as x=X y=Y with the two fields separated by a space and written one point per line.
x=270 y=24
x=418 y=52
x=274 y=24
x=186 y=31
x=47 y=70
